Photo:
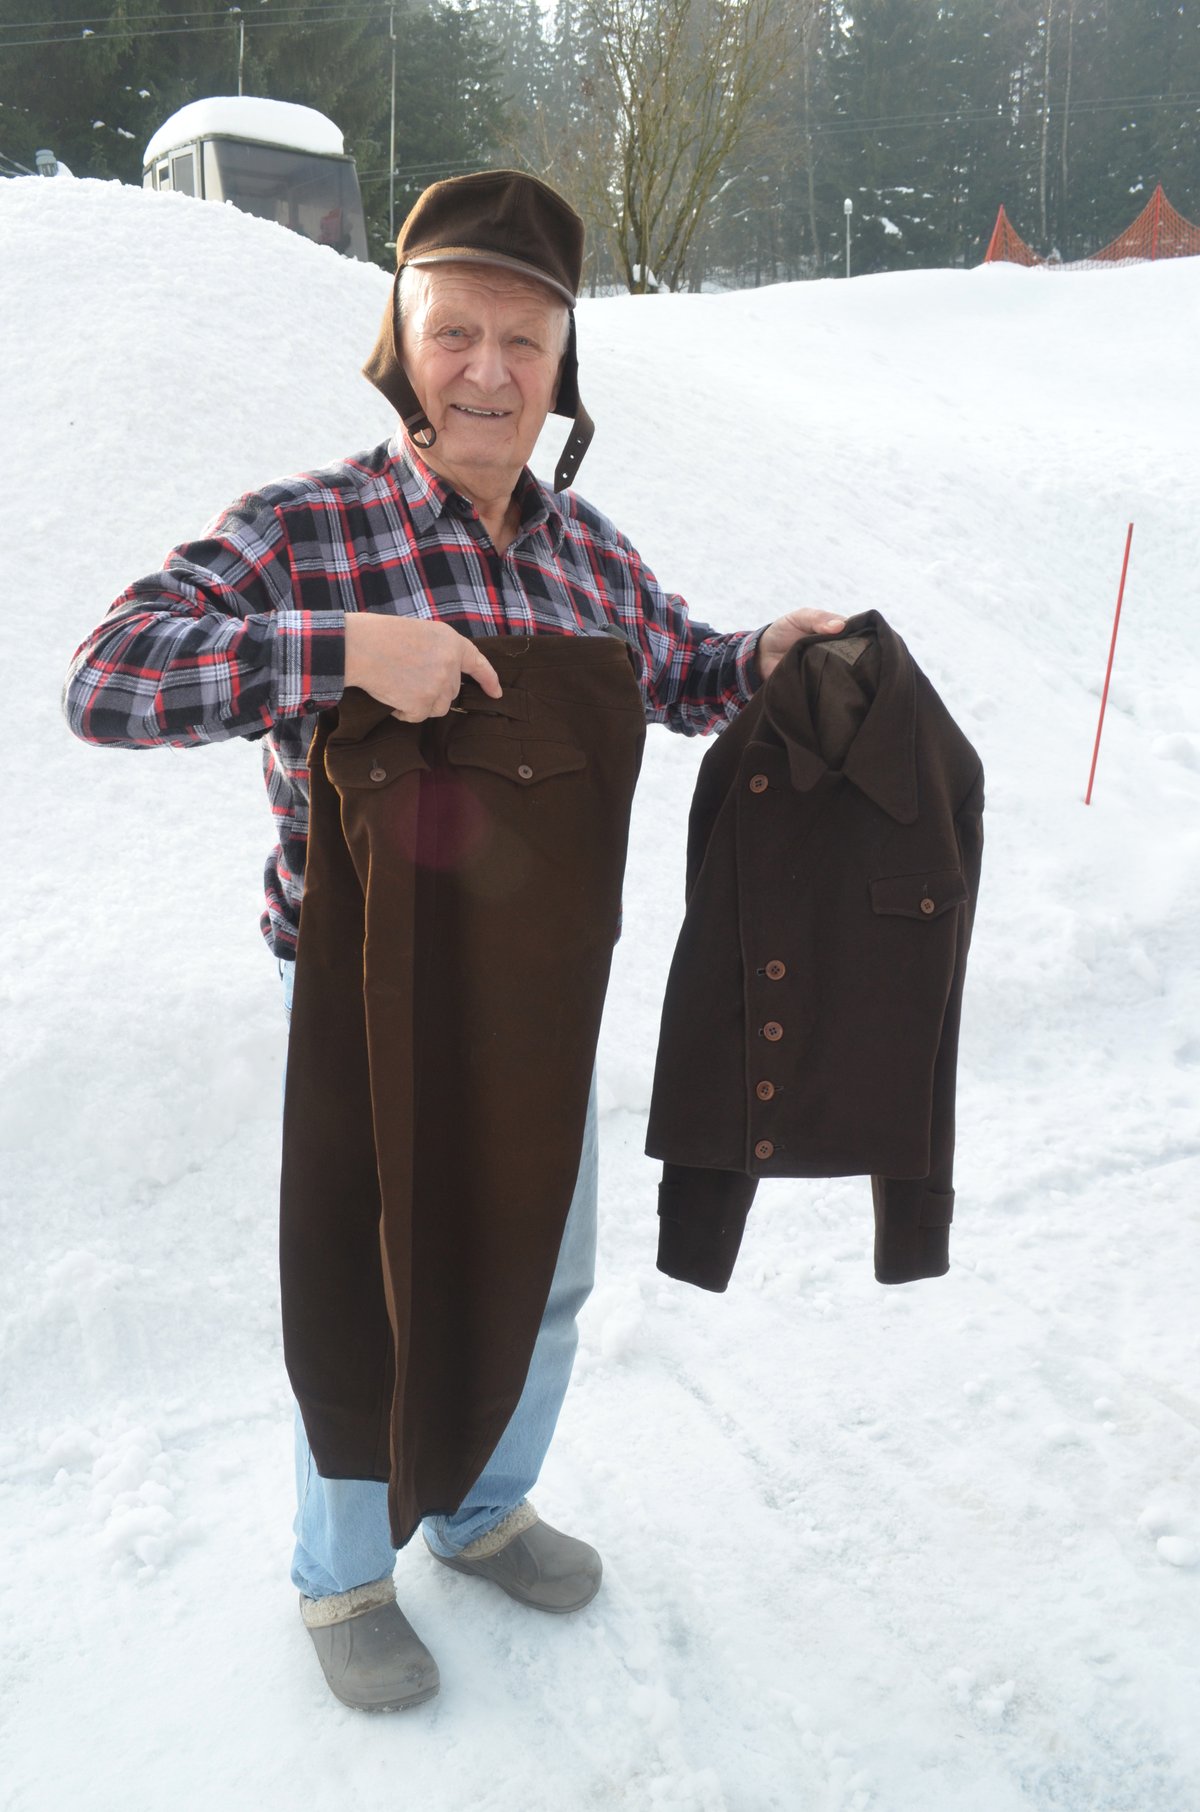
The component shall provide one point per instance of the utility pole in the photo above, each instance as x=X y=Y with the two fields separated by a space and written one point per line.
x=847 y=209
x=1046 y=116
x=392 y=139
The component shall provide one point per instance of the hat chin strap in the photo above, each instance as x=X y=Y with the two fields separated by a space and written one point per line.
x=578 y=442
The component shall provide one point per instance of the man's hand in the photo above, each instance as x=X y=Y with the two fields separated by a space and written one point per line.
x=778 y=636
x=415 y=667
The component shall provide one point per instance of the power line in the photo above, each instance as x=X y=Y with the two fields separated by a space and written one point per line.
x=311 y=15
x=174 y=31
x=1001 y=116
x=197 y=12
x=418 y=172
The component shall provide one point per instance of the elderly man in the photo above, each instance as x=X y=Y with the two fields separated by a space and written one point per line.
x=383 y=574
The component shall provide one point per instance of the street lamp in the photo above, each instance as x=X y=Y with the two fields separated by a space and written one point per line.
x=235 y=12
x=847 y=209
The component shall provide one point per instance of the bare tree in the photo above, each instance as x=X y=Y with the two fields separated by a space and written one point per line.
x=674 y=98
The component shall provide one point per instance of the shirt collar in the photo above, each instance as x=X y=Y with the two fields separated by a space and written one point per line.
x=430 y=497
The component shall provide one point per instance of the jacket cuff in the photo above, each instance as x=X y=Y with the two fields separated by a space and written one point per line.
x=912 y=1229
x=701 y=1219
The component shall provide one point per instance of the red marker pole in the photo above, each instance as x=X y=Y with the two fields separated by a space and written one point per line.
x=1112 y=648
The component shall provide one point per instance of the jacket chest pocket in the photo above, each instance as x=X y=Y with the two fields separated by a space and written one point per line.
x=926 y=896
x=372 y=766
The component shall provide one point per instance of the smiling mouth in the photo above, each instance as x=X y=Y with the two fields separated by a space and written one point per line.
x=484 y=415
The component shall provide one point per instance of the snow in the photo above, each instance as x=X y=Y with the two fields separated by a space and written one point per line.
x=248 y=116
x=925 y=1549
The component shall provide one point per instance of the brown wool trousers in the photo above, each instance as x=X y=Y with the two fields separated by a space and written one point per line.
x=461 y=901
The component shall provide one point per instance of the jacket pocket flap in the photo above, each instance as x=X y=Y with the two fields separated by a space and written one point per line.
x=521 y=760
x=373 y=765
x=921 y=896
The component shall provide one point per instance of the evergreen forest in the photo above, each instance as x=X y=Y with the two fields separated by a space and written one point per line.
x=705 y=141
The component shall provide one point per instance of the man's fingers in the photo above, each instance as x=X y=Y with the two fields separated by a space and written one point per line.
x=474 y=665
x=819 y=622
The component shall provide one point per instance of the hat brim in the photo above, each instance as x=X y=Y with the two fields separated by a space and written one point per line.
x=465 y=254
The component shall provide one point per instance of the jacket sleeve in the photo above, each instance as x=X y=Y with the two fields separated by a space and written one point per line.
x=210 y=647
x=701 y=1219
x=913 y=1216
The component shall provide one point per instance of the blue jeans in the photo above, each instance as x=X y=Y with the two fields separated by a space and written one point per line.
x=342 y=1533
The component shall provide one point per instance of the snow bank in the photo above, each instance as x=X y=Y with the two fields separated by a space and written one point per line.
x=910 y=1550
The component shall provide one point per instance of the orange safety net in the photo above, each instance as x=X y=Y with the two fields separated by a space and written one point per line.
x=1159 y=231
x=1007 y=246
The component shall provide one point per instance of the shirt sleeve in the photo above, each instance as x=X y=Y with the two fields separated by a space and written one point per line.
x=696 y=678
x=211 y=647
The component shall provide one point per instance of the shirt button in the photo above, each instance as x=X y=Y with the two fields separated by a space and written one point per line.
x=764 y=1090
x=773 y=1030
x=525 y=771
x=764 y=1149
x=928 y=906
x=378 y=773
x=759 y=783
x=776 y=970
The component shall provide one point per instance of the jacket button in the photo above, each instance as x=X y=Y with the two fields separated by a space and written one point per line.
x=378 y=773
x=759 y=783
x=764 y=1090
x=764 y=1149
x=776 y=970
x=525 y=771
x=928 y=906
x=773 y=1030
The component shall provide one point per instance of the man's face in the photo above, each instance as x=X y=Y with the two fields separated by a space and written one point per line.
x=483 y=352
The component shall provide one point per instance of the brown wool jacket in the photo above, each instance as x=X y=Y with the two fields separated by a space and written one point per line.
x=461 y=900
x=810 y=1025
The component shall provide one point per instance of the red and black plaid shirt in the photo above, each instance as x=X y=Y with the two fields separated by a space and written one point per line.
x=242 y=632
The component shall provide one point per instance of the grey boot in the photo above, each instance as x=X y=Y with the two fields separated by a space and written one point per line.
x=371 y=1656
x=532 y=1562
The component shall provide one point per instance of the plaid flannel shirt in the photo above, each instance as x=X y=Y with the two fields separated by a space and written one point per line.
x=242 y=632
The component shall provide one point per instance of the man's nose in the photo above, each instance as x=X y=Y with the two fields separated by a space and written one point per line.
x=486 y=365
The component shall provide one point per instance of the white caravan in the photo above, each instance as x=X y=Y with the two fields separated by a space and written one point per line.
x=271 y=158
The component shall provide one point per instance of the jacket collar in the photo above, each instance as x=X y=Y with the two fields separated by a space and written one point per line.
x=882 y=758
x=429 y=497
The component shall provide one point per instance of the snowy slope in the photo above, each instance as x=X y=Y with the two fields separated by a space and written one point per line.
x=929 y=1549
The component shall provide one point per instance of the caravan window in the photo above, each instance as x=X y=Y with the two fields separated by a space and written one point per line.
x=183 y=171
x=315 y=196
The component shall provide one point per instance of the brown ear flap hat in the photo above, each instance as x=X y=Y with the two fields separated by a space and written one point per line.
x=503 y=218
